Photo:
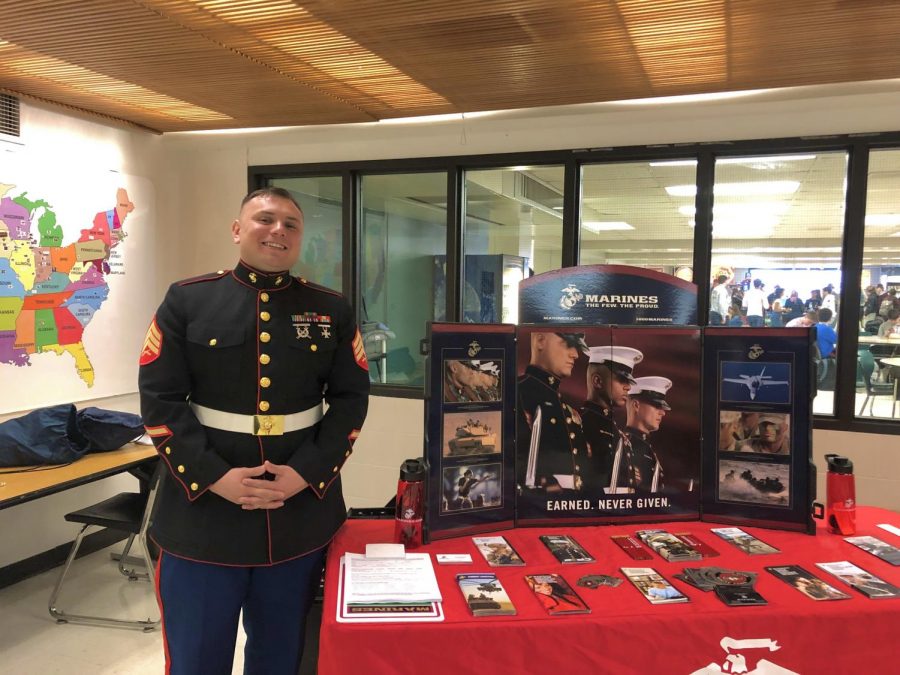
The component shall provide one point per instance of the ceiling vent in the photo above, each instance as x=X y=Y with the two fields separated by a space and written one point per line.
x=9 y=115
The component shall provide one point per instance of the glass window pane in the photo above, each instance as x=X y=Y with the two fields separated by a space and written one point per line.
x=629 y=217
x=778 y=225
x=321 y=256
x=878 y=350
x=404 y=239
x=513 y=229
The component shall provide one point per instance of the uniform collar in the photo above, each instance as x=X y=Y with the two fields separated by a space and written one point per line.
x=538 y=373
x=261 y=281
x=600 y=407
x=637 y=432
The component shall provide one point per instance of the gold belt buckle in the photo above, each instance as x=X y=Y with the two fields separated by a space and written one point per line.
x=268 y=425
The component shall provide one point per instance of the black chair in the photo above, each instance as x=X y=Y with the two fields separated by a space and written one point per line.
x=127 y=512
x=866 y=368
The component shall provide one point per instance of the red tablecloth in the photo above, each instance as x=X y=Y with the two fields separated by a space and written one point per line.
x=625 y=633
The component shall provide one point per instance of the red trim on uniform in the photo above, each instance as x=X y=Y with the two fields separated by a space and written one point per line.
x=208 y=277
x=162 y=614
x=153 y=341
x=190 y=494
x=269 y=564
x=317 y=287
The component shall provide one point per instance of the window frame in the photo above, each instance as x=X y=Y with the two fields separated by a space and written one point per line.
x=857 y=147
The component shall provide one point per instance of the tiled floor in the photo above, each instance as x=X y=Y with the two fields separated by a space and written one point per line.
x=32 y=643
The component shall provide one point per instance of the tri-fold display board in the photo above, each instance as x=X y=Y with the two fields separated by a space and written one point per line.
x=579 y=419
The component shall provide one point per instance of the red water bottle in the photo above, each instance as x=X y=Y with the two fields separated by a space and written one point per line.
x=840 y=496
x=410 y=509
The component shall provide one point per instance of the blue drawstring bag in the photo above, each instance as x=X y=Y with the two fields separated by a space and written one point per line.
x=107 y=430
x=43 y=436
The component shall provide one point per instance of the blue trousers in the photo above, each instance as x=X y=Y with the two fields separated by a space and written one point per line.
x=200 y=604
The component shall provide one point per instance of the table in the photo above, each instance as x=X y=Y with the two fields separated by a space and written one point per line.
x=25 y=486
x=625 y=633
x=875 y=340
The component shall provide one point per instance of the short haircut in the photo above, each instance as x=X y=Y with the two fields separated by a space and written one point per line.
x=721 y=279
x=271 y=191
x=825 y=315
x=892 y=314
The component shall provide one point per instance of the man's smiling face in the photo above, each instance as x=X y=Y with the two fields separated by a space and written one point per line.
x=268 y=231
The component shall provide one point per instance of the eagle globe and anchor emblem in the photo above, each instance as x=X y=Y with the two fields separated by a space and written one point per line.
x=571 y=297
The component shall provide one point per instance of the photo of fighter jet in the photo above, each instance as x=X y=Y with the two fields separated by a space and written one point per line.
x=768 y=383
x=754 y=382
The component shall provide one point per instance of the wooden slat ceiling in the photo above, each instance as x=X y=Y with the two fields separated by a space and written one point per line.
x=177 y=65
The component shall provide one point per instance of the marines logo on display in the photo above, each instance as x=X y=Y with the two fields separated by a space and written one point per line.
x=756 y=351
x=474 y=348
x=571 y=297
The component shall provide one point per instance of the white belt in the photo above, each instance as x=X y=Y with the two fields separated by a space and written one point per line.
x=258 y=425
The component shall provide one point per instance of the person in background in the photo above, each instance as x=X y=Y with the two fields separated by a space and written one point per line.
x=719 y=301
x=756 y=304
x=829 y=301
x=814 y=301
x=804 y=320
x=891 y=326
x=869 y=308
x=826 y=338
x=736 y=316
x=254 y=385
x=776 y=313
x=793 y=307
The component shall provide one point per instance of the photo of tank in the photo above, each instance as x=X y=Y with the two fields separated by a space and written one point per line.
x=472 y=433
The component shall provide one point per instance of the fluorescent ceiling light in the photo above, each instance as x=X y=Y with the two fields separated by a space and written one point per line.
x=747 y=189
x=773 y=159
x=883 y=219
x=596 y=226
x=676 y=162
x=725 y=210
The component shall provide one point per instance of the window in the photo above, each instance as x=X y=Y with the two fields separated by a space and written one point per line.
x=513 y=229
x=777 y=228
x=403 y=224
x=321 y=256
x=878 y=349
x=628 y=217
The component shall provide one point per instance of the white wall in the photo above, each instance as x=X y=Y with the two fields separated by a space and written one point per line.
x=113 y=338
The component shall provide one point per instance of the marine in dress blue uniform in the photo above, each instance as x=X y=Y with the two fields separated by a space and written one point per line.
x=647 y=406
x=609 y=379
x=551 y=442
x=234 y=371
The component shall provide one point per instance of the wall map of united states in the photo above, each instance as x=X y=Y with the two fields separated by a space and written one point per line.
x=50 y=290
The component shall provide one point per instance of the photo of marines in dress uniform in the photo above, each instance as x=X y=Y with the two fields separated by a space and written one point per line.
x=550 y=428
x=609 y=379
x=646 y=408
